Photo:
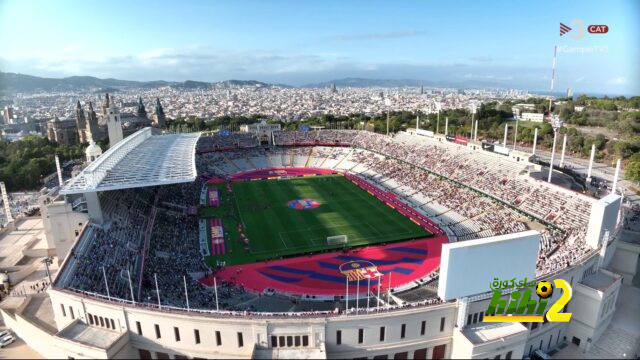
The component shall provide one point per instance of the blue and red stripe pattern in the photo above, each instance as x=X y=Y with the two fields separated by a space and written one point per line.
x=217 y=236
x=319 y=274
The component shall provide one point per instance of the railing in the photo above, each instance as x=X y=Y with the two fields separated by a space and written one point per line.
x=234 y=314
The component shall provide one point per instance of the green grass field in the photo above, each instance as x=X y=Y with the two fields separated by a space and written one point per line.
x=275 y=230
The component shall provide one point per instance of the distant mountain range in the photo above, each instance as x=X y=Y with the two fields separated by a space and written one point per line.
x=363 y=82
x=12 y=83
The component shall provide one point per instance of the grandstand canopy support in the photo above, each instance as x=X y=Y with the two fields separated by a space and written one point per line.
x=140 y=160
x=93 y=207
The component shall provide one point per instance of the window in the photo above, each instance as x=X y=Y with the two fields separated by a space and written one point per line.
x=64 y=313
x=240 y=341
x=420 y=354
x=158 y=335
x=289 y=341
x=438 y=352
x=274 y=341
x=305 y=340
x=101 y=321
x=196 y=335
x=339 y=337
x=281 y=338
x=475 y=318
x=176 y=333
x=218 y=338
x=90 y=319
x=508 y=357
x=403 y=330
x=139 y=327
x=469 y=317
x=180 y=357
x=401 y=355
x=481 y=316
x=360 y=336
x=161 y=355
x=297 y=340
x=382 y=329
x=71 y=312
x=106 y=323
x=576 y=340
x=423 y=327
x=441 y=324
x=144 y=354
x=380 y=357
x=113 y=324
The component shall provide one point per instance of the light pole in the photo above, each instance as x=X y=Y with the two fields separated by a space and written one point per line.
x=556 y=123
x=438 y=121
x=515 y=135
x=48 y=261
x=387 y=102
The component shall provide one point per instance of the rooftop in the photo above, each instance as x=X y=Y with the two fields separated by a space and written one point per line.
x=90 y=335
x=487 y=332
x=600 y=281
x=140 y=160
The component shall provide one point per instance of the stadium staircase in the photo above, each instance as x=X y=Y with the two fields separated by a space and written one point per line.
x=251 y=164
x=230 y=162
x=268 y=156
x=147 y=239
x=309 y=157
x=325 y=159
x=341 y=160
x=291 y=157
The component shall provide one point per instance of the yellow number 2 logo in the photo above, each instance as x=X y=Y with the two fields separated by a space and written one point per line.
x=554 y=313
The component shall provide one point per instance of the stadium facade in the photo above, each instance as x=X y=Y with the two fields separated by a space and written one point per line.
x=575 y=240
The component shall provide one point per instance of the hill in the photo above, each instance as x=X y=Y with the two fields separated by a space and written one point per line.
x=13 y=83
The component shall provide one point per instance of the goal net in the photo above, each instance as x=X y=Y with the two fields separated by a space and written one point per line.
x=337 y=240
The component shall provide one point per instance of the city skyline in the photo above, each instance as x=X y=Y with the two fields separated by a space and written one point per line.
x=492 y=45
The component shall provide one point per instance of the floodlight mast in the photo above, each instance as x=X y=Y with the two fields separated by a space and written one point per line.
x=556 y=122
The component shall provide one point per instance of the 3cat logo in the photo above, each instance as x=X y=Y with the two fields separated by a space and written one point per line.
x=578 y=29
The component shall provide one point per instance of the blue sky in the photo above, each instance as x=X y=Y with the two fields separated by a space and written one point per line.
x=494 y=43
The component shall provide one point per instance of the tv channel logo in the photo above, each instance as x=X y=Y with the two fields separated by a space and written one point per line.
x=522 y=308
x=578 y=29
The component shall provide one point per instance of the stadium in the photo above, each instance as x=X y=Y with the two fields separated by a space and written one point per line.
x=322 y=244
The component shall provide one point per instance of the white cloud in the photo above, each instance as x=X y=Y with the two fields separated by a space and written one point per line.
x=620 y=80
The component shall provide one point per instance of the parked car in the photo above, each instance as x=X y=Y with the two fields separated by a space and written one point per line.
x=6 y=341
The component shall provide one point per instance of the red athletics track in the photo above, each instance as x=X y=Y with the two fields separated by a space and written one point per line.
x=318 y=274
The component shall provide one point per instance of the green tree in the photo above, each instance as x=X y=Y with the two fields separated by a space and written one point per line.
x=632 y=170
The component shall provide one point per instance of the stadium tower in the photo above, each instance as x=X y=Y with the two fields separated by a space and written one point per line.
x=114 y=124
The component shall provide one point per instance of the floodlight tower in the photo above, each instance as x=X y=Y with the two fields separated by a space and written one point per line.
x=474 y=125
x=387 y=102
x=437 y=106
x=471 y=127
x=556 y=123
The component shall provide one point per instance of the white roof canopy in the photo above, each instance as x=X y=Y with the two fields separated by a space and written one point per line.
x=140 y=160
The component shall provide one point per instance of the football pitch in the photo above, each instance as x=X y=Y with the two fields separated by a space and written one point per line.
x=275 y=228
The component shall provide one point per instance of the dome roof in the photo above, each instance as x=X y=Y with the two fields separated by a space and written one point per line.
x=93 y=149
